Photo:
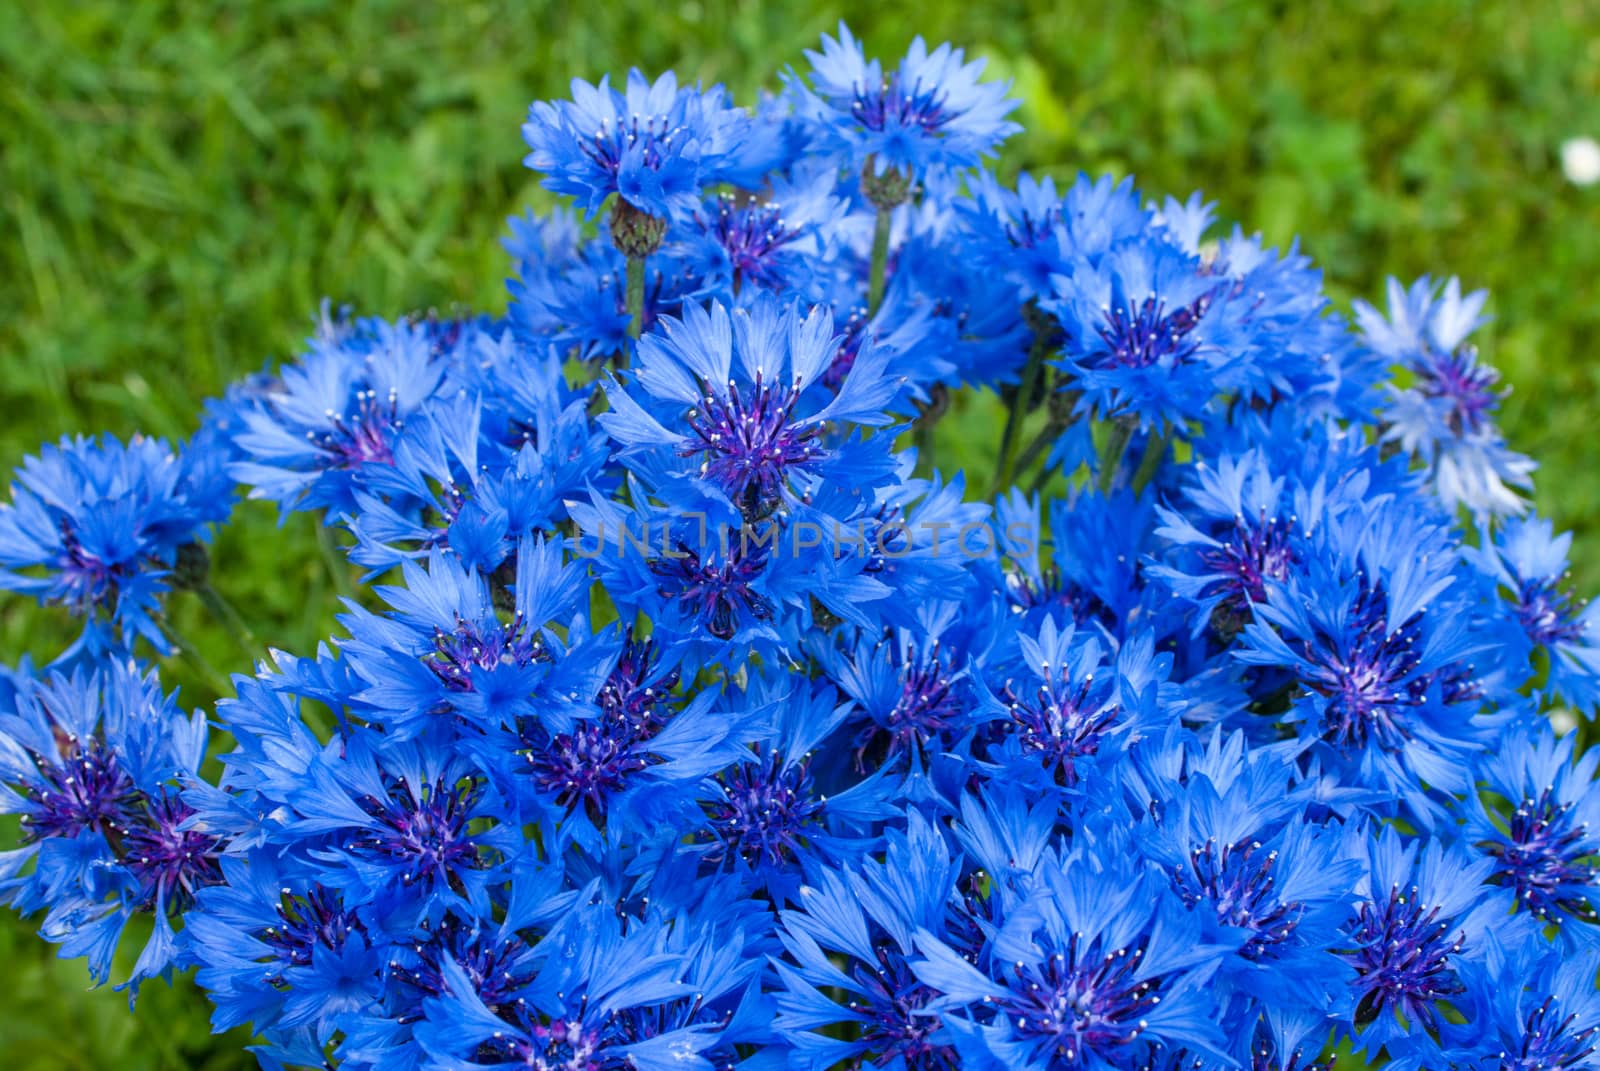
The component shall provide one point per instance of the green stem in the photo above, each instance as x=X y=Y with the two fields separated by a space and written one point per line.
x=635 y=298
x=880 y=261
x=1154 y=451
x=333 y=557
x=1032 y=374
x=1041 y=442
x=196 y=661
x=1117 y=437
x=225 y=615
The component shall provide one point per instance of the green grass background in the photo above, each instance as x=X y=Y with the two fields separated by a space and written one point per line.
x=180 y=184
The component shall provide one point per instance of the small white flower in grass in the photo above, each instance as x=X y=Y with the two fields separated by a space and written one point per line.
x=1580 y=160
x=1563 y=720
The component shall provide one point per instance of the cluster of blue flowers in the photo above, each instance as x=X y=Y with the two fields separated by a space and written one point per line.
x=690 y=717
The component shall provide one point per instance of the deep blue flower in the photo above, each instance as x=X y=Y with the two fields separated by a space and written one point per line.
x=1424 y=912
x=1538 y=818
x=1528 y=562
x=608 y=994
x=849 y=944
x=447 y=650
x=915 y=696
x=1071 y=706
x=1374 y=631
x=1139 y=334
x=930 y=114
x=1528 y=1008
x=335 y=411
x=1446 y=419
x=765 y=814
x=92 y=764
x=1266 y=881
x=731 y=397
x=655 y=145
x=98 y=526
x=1099 y=967
x=280 y=951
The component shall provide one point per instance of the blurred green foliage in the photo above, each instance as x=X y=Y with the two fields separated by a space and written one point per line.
x=180 y=184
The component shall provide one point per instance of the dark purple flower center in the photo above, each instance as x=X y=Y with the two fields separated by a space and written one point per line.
x=1251 y=553
x=170 y=863
x=1371 y=681
x=1402 y=957
x=896 y=1023
x=653 y=136
x=88 y=790
x=1144 y=334
x=1467 y=386
x=590 y=763
x=1236 y=882
x=764 y=811
x=635 y=688
x=898 y=104
x=1547 y=613
x=716 y=595
x=496 y=968
x=428 y=836
x=471 y=646
x=750 y=441
x=1548 y=859
x=1549 y=1043
x=753 y=236
x=1088 y=999
x=1062 y=721
x=362 y=435
x=928 y=705
x=307 y=921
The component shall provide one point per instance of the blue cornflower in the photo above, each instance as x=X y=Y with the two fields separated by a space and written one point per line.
x=783 y=242
x=336 y=411
x=733 y=392
x=92 y=764
x=1373 y=630
x=1528 y=562
x=608 y=993
x=851 y=933
x=1237 y=529
x=445 y=649
x=766 y=813
x=929 y=115
x=914 y=693
x=1070 y=706
x=408 y=830
x=654 y=145
x=1424 y=913
x=98 y=526
x=1446 y=419
x=1528 y=1008
x=1540 y=823
x=1266 y=880
x=1139 y=335
x=1099 y=967
x=279 y=950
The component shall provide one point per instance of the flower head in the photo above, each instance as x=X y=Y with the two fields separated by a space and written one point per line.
x=931 y=113
x=99 y=526
x=653 y=144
